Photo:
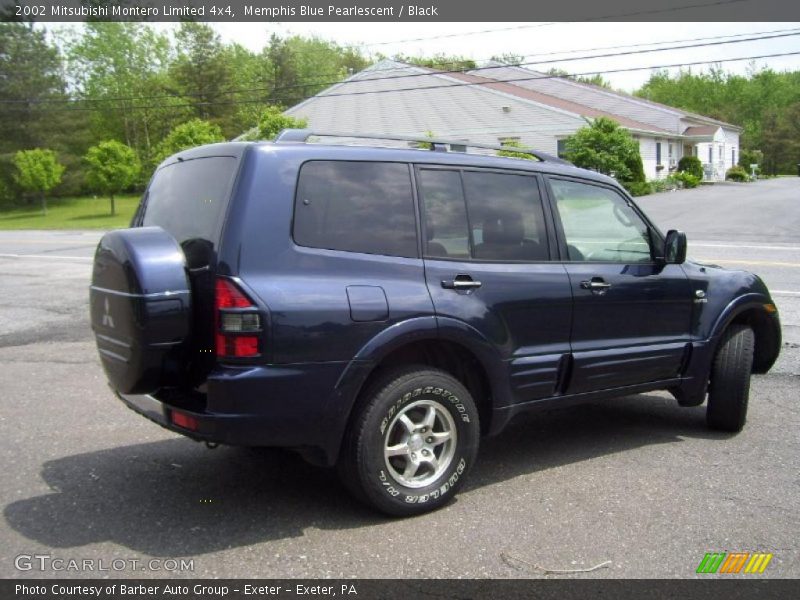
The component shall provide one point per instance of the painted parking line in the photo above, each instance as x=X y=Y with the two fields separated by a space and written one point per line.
x=46 y=256
x=738 y=246
x=49 y=240
x=763 y=263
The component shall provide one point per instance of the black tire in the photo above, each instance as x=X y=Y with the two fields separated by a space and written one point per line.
x=729 y=387
x=377 y=425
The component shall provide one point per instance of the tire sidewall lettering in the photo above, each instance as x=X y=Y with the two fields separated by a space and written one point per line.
x=445 y=486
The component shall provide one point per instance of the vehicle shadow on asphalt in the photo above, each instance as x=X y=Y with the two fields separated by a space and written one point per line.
x=175 y=498
x=538 y=441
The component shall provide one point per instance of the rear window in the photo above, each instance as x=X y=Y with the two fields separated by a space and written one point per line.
x=188 y=198
x=357 y=207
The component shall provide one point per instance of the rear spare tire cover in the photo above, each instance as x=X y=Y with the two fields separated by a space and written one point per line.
x=140 y=303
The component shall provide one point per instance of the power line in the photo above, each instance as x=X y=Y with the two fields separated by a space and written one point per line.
x=756 y=37
x=443 y=86
x=601 y=72
x=538 y=25
x=639 y=45
x=455 y=35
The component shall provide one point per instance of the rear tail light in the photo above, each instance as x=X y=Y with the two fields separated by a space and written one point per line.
x=237 y=321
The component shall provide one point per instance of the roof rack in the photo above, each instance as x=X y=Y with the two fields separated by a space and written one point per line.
x=436 y=144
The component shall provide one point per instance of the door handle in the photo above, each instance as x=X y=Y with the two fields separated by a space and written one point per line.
x=461 y=282
x=597 y=284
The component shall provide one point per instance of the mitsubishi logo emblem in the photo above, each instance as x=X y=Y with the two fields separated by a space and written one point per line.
x=108 y=320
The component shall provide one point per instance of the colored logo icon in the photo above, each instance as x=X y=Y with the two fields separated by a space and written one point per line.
x=734 y=562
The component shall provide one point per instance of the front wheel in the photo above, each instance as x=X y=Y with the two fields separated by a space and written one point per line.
x=411 y=444
x=729 y=388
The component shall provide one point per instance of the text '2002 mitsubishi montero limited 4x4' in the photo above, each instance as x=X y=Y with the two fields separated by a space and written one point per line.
x=380 y=309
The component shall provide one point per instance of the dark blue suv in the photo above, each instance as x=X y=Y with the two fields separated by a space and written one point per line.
x=379 y=309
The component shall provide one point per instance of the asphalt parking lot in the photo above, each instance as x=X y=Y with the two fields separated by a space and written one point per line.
x=636 y=486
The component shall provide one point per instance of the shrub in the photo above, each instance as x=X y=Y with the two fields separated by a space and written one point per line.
x=737 y=173
x=636 y=168
x=750 y=157
x=511 y=153
x=425 y=145
x=691 y=165
x=638 y=188
x=605 y=147
x=684 y=179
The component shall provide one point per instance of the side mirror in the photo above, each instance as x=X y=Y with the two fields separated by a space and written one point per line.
x=675 y=247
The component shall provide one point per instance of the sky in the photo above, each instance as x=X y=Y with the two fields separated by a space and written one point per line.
x=480 y=41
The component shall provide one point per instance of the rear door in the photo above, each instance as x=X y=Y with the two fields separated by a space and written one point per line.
x=631 y=312
x=487 y=263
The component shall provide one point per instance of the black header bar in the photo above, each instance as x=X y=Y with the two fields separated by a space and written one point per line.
x=399 y=10
x=711 y=588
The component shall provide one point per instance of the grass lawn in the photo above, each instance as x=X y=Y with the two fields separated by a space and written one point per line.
x=72 y=213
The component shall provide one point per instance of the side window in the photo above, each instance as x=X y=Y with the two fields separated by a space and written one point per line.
x=599 y=225
x=505 y=213
x=356 y=206
x=446 y=229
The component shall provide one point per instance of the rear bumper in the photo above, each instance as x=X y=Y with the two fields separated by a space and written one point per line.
x=237 y=430
x=292 y=406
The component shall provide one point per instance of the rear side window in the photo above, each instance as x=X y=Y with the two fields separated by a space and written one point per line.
x=188 y=198
x=357 y=207
x=506 y=217
x=446 y=228
x=501 y=218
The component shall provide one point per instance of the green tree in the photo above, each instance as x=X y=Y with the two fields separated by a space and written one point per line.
x=32 y=95
x=30 y=75
x=300 y=67
x=38 y=171
x=112 y=168
x=605 y=147
x=590 y=79
x=249 y=71
x=760 y=101
x=121 y=71
x=439 y=62
x=508 y=58
x=202 y=71
x=273 y=121
x=187 y=135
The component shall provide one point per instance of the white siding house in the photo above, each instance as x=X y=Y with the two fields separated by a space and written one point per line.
x=689 y=133
x=490 y=105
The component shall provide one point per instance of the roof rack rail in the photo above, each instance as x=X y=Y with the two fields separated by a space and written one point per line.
x=436 y=144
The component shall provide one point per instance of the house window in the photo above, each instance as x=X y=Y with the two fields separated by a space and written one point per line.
x=562 y=148
x=458 y=147
x=710 y=153
x=720 y=152
x=658 y=153
x=670 y=152
x=733 y=156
